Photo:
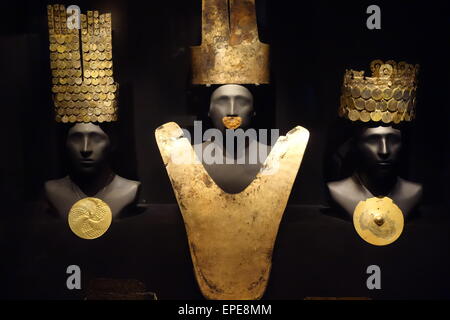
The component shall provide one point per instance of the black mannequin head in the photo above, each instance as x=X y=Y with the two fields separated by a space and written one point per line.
x=199 y=103
x=89 y=153
x=231 y=100
x=88 y=147
x=378 y=149
x=344 y=155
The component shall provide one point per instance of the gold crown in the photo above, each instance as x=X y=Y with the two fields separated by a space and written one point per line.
x=83 y=86
x=388 y=96
x=230 y=51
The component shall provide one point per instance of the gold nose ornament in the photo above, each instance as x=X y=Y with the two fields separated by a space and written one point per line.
x=232 y=122
x=378 y=221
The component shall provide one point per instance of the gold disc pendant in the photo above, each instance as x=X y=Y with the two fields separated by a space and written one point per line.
x=378 y=221
x=90 y=218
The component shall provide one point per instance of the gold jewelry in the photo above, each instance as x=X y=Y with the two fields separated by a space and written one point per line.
x=389 y=95
x=230 y=51
x=378 y=221
x=74 y=73
x=231 y=236
x=232 y=122
x=89 y=218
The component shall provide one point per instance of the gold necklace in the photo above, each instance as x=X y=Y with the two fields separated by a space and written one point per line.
x=367 y=191
x=80 y=194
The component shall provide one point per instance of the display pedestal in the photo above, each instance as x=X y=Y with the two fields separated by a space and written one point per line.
x=315 y=255
x=118 y=289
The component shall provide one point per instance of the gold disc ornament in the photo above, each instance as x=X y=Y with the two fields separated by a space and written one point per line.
x=378 y=221
x=90 y=218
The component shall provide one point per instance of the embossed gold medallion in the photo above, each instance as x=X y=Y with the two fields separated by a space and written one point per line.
x=232 y=122
x=89 y=218
x=378 y=221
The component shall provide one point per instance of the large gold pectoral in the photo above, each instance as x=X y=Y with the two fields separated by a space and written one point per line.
x=231 y=236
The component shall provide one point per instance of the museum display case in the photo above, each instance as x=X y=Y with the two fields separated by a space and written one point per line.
x=119 y=180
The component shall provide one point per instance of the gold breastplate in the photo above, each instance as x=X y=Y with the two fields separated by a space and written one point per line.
x=231 y=236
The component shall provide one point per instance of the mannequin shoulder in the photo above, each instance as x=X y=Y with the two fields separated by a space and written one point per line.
x=342 y=188
x=126 y=185
x=410 y=189
x=345 y=193
x=56 y=185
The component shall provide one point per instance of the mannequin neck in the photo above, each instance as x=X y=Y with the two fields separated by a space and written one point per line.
x=378 y=185
x=234 y=150
x=91 y=184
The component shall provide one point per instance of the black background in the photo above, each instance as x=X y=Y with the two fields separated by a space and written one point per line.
x=312 y=43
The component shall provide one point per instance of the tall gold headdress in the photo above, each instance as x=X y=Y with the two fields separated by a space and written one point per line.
x=83 y=86
x=231 y=52
x=389 y=95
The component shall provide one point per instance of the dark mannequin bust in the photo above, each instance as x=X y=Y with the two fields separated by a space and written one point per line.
x=378 y=149
x=88 y=148
x=233 y=101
